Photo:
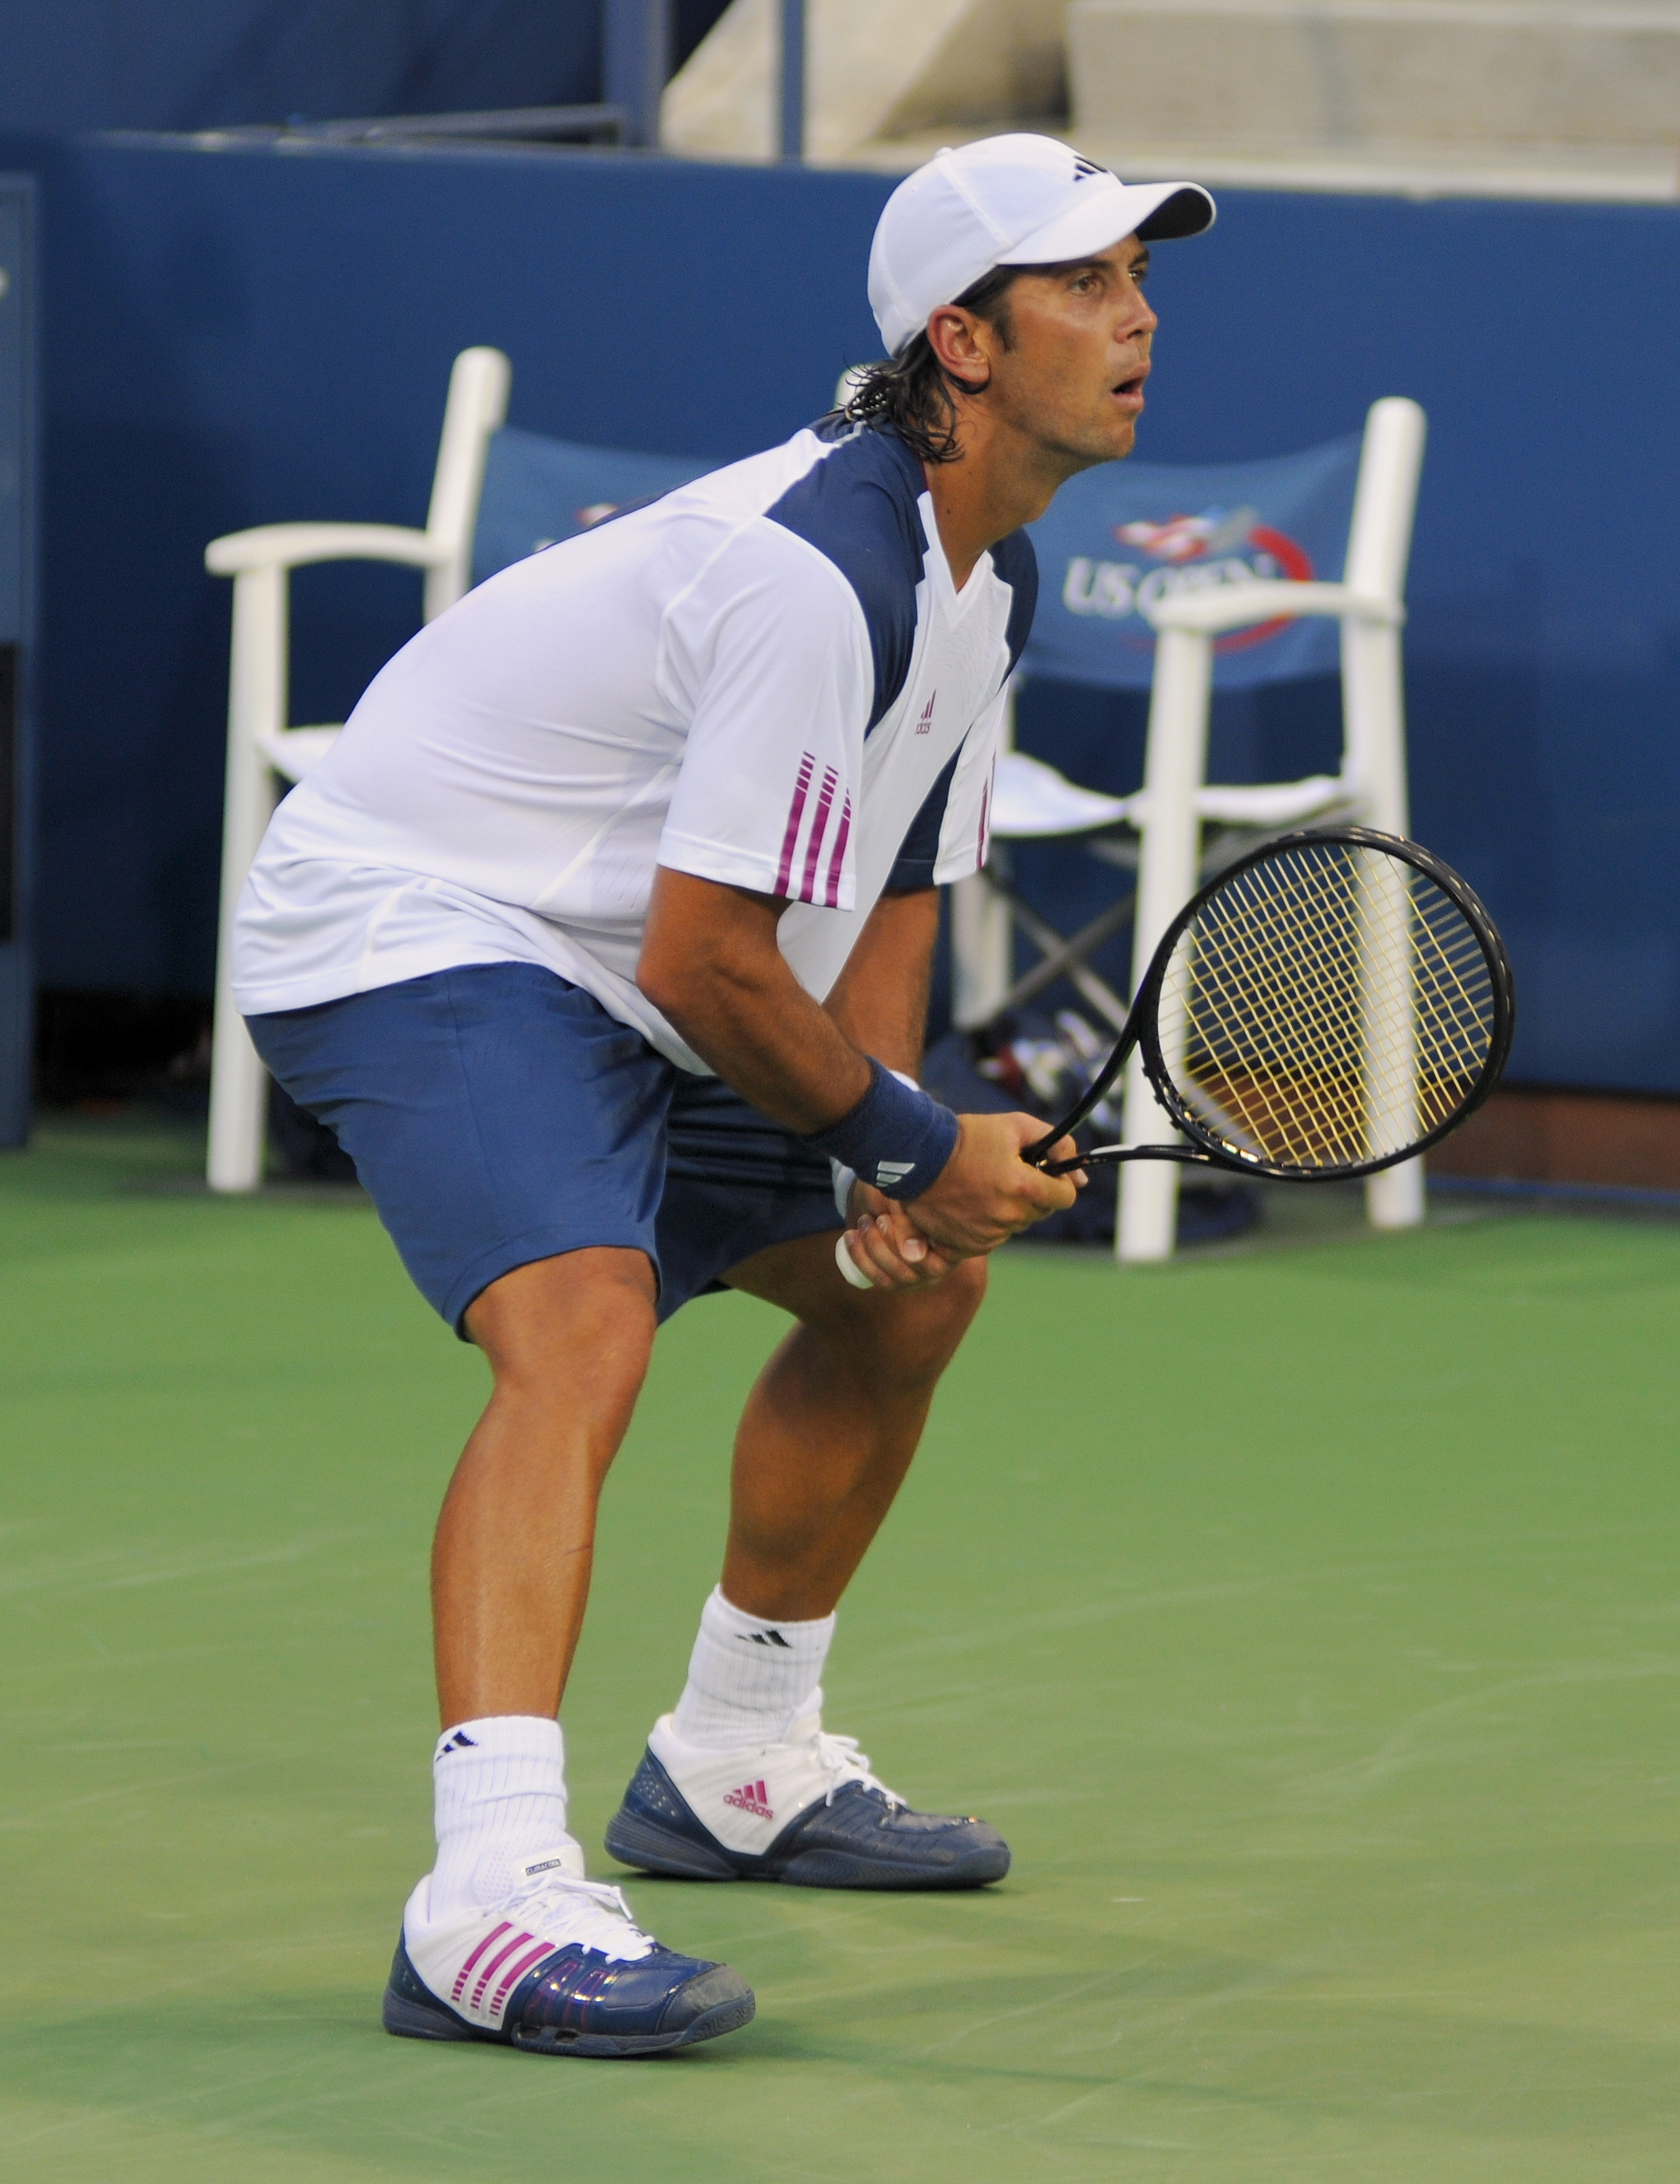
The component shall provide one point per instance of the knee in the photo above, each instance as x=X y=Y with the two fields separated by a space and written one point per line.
x=558 y=1329
x=917 y=1332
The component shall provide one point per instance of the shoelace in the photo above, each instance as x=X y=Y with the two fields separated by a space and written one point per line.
x=592 y=1913
x=845 y=1763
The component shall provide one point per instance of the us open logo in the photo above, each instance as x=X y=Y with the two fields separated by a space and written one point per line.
x=1221 y=547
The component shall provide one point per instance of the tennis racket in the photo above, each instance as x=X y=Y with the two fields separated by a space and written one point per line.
x=1332 y=1003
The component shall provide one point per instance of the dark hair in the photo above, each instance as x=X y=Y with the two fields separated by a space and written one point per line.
x=911 y=391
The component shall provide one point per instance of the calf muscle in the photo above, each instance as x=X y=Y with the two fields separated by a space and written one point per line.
x=568 y=1341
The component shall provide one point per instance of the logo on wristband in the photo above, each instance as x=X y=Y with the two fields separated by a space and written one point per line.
x=888 y=1172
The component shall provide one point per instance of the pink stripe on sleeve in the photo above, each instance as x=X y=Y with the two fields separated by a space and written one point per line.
x=795 y=813
x=831 y=899
x=819 y=829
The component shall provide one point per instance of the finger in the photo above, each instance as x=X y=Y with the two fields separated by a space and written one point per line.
x=895 y=1246
x=877 y=1248
x=917 y=1248
x=1050 y=1194
x=909 y=1243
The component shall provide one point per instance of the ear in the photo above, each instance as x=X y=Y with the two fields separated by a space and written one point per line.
x=963 y=344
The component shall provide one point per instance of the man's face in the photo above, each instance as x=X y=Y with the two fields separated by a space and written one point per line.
x=1072 y=377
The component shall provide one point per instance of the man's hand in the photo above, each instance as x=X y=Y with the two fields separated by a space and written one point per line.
x=986 y=1193
x=884 y=1243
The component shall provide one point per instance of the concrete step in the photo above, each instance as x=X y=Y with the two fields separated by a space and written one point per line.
x=1584 y=97
x=874 y=69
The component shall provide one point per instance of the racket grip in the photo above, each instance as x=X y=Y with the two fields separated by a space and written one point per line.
x=848 y=1266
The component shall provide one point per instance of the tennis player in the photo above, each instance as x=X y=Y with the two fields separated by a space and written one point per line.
x=602 y=941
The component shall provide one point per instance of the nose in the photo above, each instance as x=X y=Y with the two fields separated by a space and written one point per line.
x=1140 y=319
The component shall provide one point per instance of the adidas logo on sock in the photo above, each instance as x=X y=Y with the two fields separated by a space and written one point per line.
x=752 y=1797
x=460 y=1741
x=764 y=1638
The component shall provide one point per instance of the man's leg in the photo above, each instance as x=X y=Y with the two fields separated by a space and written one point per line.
x=740 y=1781
x=504 y=1936
x=831 y=1428
x=568 y=1341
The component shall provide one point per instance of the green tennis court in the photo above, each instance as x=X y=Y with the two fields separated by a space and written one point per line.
x=1308 y=1618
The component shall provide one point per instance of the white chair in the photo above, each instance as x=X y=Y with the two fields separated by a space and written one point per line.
x=262 y=748
x=1031 y=800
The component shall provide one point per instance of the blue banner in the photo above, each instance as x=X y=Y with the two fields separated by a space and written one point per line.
x=1118 y=537
x=538 y=491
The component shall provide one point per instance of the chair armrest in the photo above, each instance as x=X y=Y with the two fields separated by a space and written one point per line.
x=1239 y=606
x=290 y=545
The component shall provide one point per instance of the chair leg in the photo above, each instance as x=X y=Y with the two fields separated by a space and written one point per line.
x=1168 y=873
x=256 y=707
x=1373 y=694
x=238 y=1085
x=1395 y=1198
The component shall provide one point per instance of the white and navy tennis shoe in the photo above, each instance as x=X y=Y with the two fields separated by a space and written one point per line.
x=807 y=1810
x=559 y=1968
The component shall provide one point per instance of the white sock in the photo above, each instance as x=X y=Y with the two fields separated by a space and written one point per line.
x=749 y=1679
x=499 y=1796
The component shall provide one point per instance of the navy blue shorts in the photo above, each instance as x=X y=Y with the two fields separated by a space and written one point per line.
x=497 y=1115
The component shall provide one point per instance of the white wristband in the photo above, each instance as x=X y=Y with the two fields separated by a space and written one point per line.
x=848 y=1266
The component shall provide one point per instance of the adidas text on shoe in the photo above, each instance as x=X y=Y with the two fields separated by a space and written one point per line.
x=558 y=1967
x=806 y=1811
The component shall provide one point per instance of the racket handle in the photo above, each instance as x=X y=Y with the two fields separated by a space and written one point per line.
x=848 y=1266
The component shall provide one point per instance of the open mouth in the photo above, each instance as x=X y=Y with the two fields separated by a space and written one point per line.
x=1132 y=390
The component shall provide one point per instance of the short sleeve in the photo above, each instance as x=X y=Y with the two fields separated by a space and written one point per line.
x=768 y=656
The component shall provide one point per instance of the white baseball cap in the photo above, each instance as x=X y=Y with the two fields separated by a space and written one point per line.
x=1017 y=200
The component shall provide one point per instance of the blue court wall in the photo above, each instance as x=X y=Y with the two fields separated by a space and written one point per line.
x=239 y=337
x=212 y=64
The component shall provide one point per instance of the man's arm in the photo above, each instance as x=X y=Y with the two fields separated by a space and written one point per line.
x=880 y=1002
x=880 y=999
x=710 y=965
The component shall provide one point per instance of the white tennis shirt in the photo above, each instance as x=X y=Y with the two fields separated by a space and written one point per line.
x=765 y=678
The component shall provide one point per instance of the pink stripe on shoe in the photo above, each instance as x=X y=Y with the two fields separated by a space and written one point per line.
x=512 y=1979
x=461 y=1977
x=494 y=1965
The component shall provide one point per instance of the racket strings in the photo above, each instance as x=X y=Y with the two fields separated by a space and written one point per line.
x=1344 y=1079
x=1307 y=985
x=1273 y=963
x=1329 y=1005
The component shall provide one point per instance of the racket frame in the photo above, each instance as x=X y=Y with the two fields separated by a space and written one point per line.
x=1142 y=1031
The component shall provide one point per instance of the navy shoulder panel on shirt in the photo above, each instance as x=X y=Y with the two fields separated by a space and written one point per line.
x=919 y=852
x=1017 y=566
x=858 y=507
